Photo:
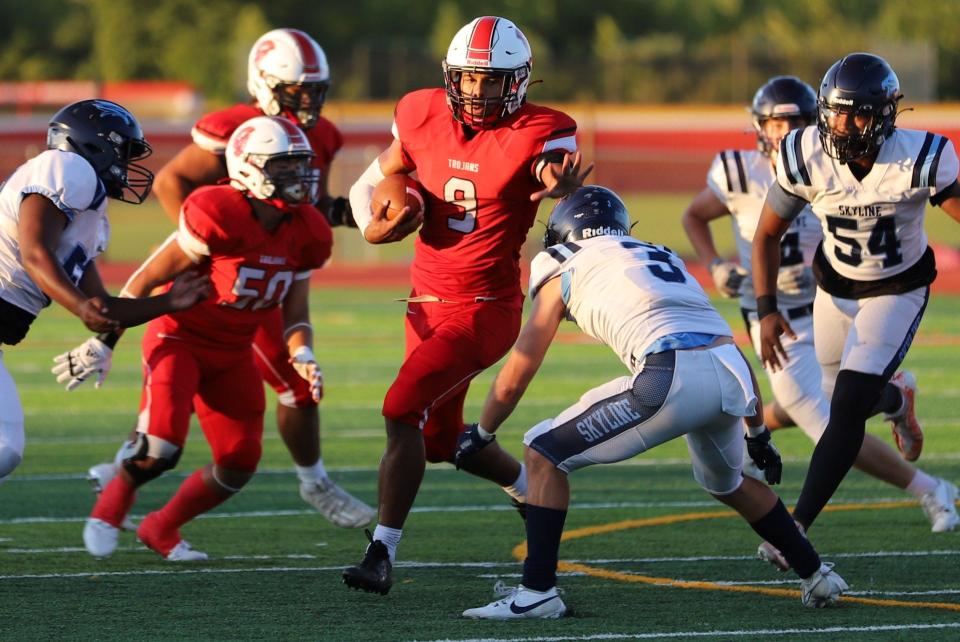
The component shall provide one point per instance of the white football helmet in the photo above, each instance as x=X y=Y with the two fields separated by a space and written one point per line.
x=493 y=46
x=270 y=158
x=287 y=72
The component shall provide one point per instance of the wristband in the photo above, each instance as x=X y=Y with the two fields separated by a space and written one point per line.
x=756 y=431
x=109 y=339
x=303 y=354
x=484 y=435
x=766 y=304
x=714 y=263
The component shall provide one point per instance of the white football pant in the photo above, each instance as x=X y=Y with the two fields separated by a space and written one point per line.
x=11 y=424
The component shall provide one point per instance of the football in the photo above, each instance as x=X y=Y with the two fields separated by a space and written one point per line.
x=400 y=191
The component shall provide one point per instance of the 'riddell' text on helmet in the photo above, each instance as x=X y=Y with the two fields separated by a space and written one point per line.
x=287 y=74
x=860 y=87
x=258 y=155
x=782 y=97
x=589 y=212
x=110 y=139
x=494 y=47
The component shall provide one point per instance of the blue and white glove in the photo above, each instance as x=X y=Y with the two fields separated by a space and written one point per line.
x=727 y=276
x=469 y=443
x=75 y=366
x=794 y=279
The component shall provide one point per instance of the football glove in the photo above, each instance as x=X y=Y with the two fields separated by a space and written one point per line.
x=340 y=213
x=470 y=443
x=306 y=366
x=794 y=279
x=728 y=277
x=75 y=366
x=766 y=456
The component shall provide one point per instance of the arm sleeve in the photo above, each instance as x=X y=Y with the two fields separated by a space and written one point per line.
x=787 y=206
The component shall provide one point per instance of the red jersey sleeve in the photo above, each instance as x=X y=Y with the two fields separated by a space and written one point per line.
x=412 y=114
x=207 y=221
x=314 y=238
x=213 y=130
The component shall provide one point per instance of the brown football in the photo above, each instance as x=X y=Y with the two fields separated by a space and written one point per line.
x=400 y=191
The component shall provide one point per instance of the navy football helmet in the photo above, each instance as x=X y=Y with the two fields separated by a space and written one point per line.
x=782 y=97
x=110 y=138
x=588 y=212
x=858 y=85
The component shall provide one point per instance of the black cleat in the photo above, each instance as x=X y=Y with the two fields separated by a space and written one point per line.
x=374 y=574
x=521 y=508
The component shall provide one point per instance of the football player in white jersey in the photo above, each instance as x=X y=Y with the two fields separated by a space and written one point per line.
x=737 y=185
x=686 y=378
x=868 y=183
x=53 y=225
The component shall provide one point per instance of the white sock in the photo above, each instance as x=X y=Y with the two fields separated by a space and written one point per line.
x=390 y=538
x=518 y=489
x=312 y=474
x=921 y=484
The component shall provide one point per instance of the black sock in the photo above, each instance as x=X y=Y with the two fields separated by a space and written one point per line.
x=544 y=528
x=777 y=527
x=854 y=397
x=890 y=400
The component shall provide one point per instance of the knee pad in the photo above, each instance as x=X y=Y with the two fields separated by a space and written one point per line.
x=9 y=460
x=147 y=457
x=243 y=454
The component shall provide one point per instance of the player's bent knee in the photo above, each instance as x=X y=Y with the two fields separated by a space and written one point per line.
x=147 y=457
x=9 y=460
x=243 y=455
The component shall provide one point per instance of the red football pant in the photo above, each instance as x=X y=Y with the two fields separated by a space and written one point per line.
x=222 y=386
x=273 y=360
x=448 y=344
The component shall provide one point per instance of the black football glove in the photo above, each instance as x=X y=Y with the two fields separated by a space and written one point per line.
x=470 y=443
x=766 y=456
x=339 y=213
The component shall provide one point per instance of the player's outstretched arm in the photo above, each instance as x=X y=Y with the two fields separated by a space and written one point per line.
x=562 y=178
x=192 y=167
x=525 y=358
x=766 y=263
x=299 y=336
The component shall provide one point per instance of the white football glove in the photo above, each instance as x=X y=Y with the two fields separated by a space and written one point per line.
x=794 y=279
x=728 y=277
x=74 y=367
x=306 y=366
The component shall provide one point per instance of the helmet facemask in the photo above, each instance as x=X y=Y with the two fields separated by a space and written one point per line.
x=287 y=185
x=484 y=112
x=302 y=101
x=856 y=141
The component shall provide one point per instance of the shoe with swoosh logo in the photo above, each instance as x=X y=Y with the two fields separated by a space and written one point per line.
x=522 y=603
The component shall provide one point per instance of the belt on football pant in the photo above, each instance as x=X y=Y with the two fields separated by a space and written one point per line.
x=791 y=313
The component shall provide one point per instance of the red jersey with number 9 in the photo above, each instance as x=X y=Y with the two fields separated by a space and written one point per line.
x=251 y=269
x=478 y=189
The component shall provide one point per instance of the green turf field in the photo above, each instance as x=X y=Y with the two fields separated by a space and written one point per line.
x=275 y=566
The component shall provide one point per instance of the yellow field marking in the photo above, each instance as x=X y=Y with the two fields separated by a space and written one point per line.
x=520 y=552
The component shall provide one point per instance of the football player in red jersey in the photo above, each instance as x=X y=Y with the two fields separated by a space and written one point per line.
x=258 y=238
x=484 y=171
x=288 y=76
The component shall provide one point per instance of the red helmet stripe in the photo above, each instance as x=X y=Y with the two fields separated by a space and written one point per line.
x=307 y=52
x=481 y=40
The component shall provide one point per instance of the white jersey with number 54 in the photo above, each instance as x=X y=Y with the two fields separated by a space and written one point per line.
x=873 y=229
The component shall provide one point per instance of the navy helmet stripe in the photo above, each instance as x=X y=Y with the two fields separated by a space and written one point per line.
x=919 y=162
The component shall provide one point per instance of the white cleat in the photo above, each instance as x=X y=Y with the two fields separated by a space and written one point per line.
x=940 y=507
x=336 y=504
x=520 y=604
x=906 y=429
x=100 y=538
x=183 y=552
x=101 y=475
x=823 y=588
